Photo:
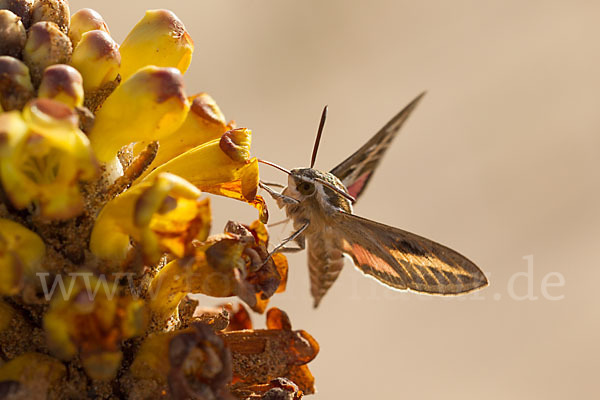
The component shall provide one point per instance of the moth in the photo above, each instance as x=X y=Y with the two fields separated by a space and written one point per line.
x=320 y=206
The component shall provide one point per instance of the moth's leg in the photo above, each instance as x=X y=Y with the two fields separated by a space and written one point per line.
x=300 y=241
x=296 y=237
x=278 y=196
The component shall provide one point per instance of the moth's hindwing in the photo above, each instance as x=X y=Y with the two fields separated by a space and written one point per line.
x=356 y=171
x=406 y=261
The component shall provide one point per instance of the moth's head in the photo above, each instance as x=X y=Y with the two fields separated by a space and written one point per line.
x=304 y=183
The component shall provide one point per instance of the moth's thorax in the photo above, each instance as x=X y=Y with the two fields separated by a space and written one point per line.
x=322 y=201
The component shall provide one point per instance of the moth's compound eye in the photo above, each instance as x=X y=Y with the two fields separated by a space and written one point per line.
x=306 y=188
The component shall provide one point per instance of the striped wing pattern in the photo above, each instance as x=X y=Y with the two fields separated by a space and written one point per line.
x=406 y=261
x=356 y=171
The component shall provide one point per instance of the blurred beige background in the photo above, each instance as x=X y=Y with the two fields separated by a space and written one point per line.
x=500 y=161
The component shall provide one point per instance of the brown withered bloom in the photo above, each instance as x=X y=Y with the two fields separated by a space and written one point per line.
x=261 y=355
x=106 y=166
x=200 y=365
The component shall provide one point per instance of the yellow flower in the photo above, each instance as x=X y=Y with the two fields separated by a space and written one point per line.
x=91 y=320
x=148 y=106
x=44 y=157
x=221 y=166
x=204 y=122
x=158 y=39
x=231 y=264
x=162 y=214
x=97 y=58
x=21 y=253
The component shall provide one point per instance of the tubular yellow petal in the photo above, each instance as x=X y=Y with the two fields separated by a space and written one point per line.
x=229 y=173
x=97 y=58
x=163 y=214
x=203 y=123
x=21 y=253
x=148 y=106
x=62 y=83
x=158 y=39
x=83 y=21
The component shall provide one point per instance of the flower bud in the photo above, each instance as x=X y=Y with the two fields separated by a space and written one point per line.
x=22 y=8
x=56 y=11
x=63 y=83
x=97 y=58
x=158 y=39
x=15 y=84
x=83 y=21
x=46 y=45
x=12 y=33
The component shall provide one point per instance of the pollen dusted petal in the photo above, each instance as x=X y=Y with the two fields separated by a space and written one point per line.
x=56 y=11
x=46 y=45
x=148 y=106
x=158 y=39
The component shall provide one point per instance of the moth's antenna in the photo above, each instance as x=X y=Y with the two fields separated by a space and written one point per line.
x=287 y=171
x=318 y=139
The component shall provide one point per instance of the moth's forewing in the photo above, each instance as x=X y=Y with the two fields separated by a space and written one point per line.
x=406 y=261
x=356 y=171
